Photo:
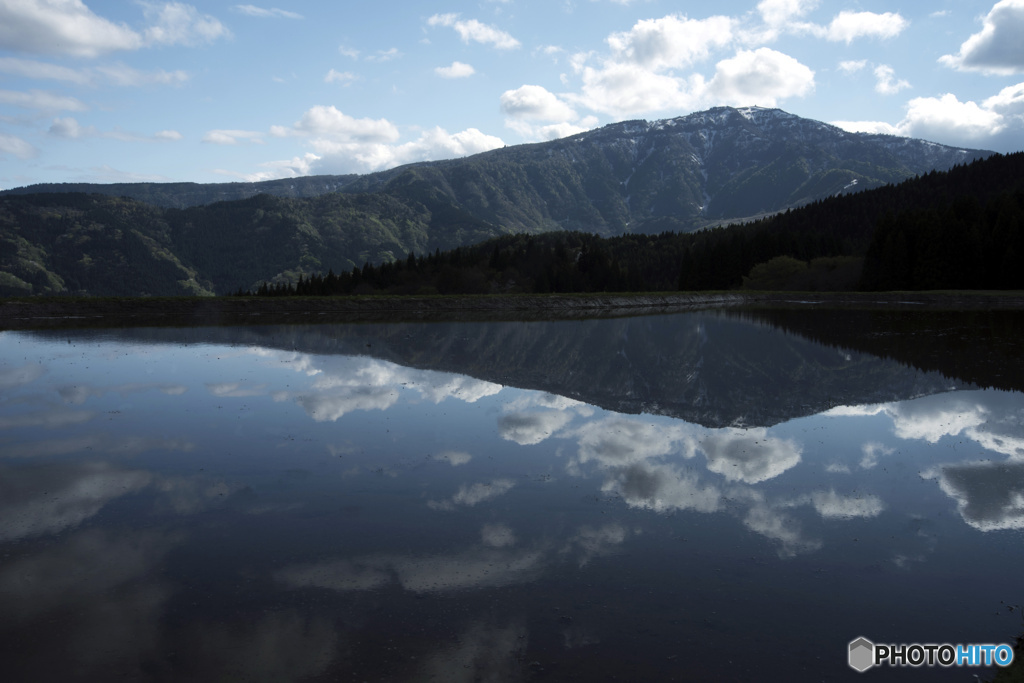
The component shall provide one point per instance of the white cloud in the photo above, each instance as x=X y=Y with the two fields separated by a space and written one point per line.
x=346 y=156
x=848 y=26
x=671 y=42
x=113 y=74
x=998 y=47
x=343 y=77
x=167 y=135
x=852 y=66
x=762 y=77
x=475 y=31
x=780 y=12
x=331 y=124
x=623 y=89
x=62 y=27
x=232 y=137
x=997 y=122
x=535 y=102
x=887 y=83
x=16 y=147
x=273 y=13
x=384 y=55
x=69 y=129
x=41 y=100
x=180 y=24
x=456 y=70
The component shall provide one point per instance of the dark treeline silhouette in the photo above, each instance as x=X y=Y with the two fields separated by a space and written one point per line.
x=959 y=229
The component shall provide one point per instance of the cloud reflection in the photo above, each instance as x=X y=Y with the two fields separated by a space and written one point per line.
x=474 y=493
x=749 y=455
x=12 y=378
x=78 y=394
x=989 y=496
x=51 y=498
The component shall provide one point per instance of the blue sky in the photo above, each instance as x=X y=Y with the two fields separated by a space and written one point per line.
x=220 y=91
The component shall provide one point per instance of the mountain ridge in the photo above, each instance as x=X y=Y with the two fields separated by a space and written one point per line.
x=681 y=173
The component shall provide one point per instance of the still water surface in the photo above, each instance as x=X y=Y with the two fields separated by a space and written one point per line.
x=703 y=496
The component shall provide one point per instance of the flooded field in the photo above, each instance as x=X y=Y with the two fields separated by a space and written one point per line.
x=716 y=495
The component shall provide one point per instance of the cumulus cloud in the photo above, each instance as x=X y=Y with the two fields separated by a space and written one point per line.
x=456 y=70
x=781 y=12
x=997 y=122
x=848 y=26
x=887 y=83
x=763 y=76
x=997 y=48
x=535 y=102
x=342 y=143
x=651 y=68
x=473 y=30
x=671 y=42
x=331 y=124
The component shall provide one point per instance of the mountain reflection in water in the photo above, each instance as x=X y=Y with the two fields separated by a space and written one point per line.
x=711 y=495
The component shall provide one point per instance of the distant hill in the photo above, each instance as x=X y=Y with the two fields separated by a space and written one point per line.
x=681 y=174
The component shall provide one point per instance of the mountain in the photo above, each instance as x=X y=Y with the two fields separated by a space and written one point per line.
x=633 y=180
x=645 y=177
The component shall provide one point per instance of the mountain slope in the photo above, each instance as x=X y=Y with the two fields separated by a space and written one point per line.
x=676 y=174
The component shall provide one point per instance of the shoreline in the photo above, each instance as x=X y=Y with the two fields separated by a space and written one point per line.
x=68 y=312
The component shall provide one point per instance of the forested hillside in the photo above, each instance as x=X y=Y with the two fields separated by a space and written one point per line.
x=960 y=229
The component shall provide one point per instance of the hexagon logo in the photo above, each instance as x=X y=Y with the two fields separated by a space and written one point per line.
x=862 y=654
